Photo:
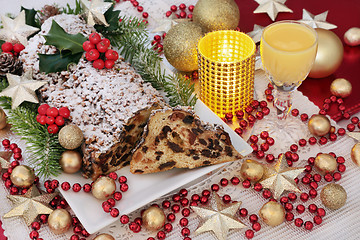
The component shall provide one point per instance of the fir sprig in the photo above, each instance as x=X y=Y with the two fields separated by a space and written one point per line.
x=69 y=10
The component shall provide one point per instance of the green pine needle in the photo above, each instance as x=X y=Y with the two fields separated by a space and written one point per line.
x=69 y=10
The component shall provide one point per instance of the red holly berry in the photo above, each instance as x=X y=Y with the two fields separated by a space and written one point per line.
x=52 y=112
x=43 y=108
x=92 y=55
x=98 y=64
x=59 y=120
x=49 y=120
x=53 y=129
x=87 y=46
x=106 y=42
x=111 y=55
x=42 y=120
x=38 y=118
x=109 y=63
x=64 y=112
x=7 y=47
x=18 y=47
x=102 y=46
x=94 y=38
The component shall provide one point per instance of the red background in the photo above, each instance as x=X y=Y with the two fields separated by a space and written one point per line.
x=345 y=14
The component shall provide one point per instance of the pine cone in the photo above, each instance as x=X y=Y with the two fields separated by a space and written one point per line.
x=10 y=64
x=48 y=11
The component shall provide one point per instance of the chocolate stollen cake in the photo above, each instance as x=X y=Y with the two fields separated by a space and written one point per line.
x=110 y=106
x=177 y=138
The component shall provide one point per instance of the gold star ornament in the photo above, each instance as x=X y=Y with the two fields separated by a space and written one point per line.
x=95 y=10
x=16 y=30
x=218 y=217
x=5 y=159
x=167 y=23
x=272 y=7
x=256 y=33
x=354 y=135
x=316 y=21
x=280 y=177
x=21 y=88
x=30 y=205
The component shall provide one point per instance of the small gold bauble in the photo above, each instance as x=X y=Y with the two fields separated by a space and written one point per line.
x=3 y=122
x=22 y=176
x=59 y=221
x=319 y=125
x=352 y=36
x=180 y=46
x=104 y=236
x=329 y=54
x=355 y=154
x=251 y=170
x=341 y=87
x=70 y=161
x=333 y=196
x=214 y=15
x=153 y=218
x=103 y=188
x=272 y=213
x=325 y=163
x=70 y=137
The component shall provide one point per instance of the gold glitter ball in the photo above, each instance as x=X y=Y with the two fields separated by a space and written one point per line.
x=325 y=163
x=180 y=46
x=333 y=196
x=71 y=137
x=341 y=87
x=319 y=125
x=104 y=236
x=214 y=15
x=272 y=213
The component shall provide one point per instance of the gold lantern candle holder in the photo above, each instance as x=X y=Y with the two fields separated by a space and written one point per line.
x=226 y=62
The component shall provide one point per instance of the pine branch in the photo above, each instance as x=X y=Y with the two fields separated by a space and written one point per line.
x=69 y=10
x=45 y=147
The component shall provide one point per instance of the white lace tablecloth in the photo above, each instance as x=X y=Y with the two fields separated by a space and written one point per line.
x=339 y=224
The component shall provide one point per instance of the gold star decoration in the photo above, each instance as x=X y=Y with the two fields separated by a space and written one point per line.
x=30 y=205
x=272 y=7
x=280 y=177
x=167 y=23
x=21 y=88
x=16 y=30
x=94 y=11
x=5 y=159
x=218 y=217
x=256 y=33
x=354 y=135
x=316 y=21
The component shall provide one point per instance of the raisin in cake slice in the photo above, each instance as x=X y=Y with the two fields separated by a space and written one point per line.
x=176 y=138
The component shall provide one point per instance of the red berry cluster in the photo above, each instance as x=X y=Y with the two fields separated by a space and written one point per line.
x=97 y=50
x=157 y=43
x=8 y=47
x=52 y=116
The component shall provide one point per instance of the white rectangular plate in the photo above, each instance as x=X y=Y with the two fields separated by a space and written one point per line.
x=142 y=188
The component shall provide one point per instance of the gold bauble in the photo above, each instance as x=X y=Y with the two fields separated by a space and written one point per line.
x=341 y=87
x=153 y=218
x=71 y=137
x=22 y=176
x=352 y=36
x=319 y=125
x=180 y=46
x=59 y=221
x=251 y=170
x=325 y=163
x=272 y=213
x=214 y=15
x=104 y=236
x=329 y=54
x=103 y=188
x=3 y=122
x=70 y=161
x=355 y=154
x=333 y=196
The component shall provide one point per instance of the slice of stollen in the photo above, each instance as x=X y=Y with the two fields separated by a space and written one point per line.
x=177 y=138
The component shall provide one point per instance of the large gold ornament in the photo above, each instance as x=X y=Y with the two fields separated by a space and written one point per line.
x=329 y=54
x=272 y=7
x=272 y=213
x=94 y=11
x=355 y=154
x=214 y=15
x=59 y=221
x=22 y=176
x=70 y=161
x=30 y=205
x=3 y=122
x=21 y=88
x=251 y=170
x=70 y=137
x=280 y=178
x=5 y=159
x=180 y=46
x=316 y=21
x=103 y=188
x=352 y=36
x=325 y=163
x=333 y=196
x=319 y=125
x=16 y=30
x=341 y=87
x=153 y=218
x=218 y=217
x=104 y=236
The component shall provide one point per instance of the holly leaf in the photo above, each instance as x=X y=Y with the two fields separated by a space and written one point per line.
x=57 y=62
x=63 y=40
x=30 y=17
